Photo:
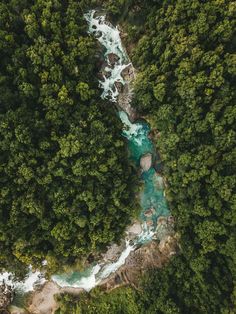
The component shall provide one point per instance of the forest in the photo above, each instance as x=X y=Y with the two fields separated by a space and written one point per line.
x=67 y=189
x=184 y=52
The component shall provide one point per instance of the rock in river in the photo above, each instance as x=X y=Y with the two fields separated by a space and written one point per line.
x=146 y=162
x=113 y=58
x=149 y=212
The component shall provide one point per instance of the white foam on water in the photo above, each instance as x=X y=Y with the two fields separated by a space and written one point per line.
x=109 y=37
x=134 y=130
x=97 y=273
x=108 y=84
x=86 y=282
x=25 y=285
x=146 y=234
x=106 y=34
x=113 y=267
x=44 y=263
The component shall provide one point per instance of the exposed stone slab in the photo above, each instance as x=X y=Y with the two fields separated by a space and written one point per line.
x=146 y=162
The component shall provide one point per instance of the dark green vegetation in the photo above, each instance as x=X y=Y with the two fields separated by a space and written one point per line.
x=187 y=84
x=185 y=54
x=121 y=300
x=66 y=187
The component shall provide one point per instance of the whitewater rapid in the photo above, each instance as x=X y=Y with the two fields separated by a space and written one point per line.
x=27 y=284
x=109 y=37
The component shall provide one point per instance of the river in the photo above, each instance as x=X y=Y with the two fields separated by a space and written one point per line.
x=152 y=198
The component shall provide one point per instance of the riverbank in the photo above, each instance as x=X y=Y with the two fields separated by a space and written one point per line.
x=151 y=255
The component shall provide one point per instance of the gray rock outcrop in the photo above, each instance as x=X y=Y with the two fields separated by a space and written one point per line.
x=146 y=162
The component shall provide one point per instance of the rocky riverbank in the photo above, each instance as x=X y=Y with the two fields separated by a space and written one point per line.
x=154 y=254
x=150 y=256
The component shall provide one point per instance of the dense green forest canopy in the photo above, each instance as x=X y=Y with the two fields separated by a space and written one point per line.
x=66 y=186
x=184 y=51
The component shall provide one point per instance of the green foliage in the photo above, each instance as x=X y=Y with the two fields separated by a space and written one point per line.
x=121 y=300
x=66 y=187
x=186 y=82
x=185 y=58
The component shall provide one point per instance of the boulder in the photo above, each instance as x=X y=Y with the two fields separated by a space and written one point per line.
x=128 y=73
x=146 y=162
x=97 y=34
x=119 y=86
x=135 y=228
x=149 y=212
x=149 y=223
x=42 y=301
x=162 y=220
x=113 y=58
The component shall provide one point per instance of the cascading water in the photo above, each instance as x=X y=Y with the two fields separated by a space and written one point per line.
x=90 y=279
x=25 y=285
x=151 y=199
x=109 y=37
